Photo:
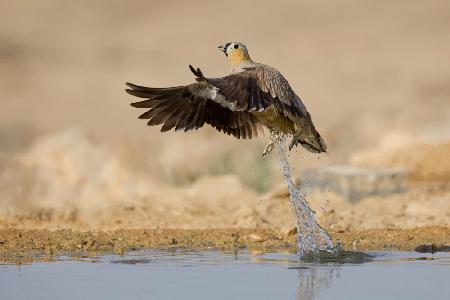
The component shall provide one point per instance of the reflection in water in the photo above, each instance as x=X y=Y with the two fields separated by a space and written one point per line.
x=313 y=279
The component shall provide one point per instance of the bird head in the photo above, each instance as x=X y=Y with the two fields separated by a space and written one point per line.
x=236 y=52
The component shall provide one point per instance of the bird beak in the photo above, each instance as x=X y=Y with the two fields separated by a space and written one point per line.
x=223 y=48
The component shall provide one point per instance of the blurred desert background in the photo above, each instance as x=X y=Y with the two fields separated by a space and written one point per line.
x=375 y=76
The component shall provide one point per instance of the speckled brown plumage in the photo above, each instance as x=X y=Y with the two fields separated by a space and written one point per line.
x=238 y=104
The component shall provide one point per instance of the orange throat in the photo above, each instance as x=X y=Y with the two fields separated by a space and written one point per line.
x=237 y=57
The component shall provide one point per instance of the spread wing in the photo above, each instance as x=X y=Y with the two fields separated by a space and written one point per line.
x=224 y=103
x=190 y=107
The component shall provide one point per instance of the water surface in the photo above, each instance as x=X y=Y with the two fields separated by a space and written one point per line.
x=154 y=274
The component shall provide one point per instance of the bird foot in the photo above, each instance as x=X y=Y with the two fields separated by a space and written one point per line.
x=293 y=143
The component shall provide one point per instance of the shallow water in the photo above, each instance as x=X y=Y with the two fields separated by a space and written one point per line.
x=154 y=274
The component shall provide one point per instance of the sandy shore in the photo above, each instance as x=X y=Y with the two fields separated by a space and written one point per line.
x=23 y=246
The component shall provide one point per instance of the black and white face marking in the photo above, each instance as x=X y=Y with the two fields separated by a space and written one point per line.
x=224 y=48
x=227 y=47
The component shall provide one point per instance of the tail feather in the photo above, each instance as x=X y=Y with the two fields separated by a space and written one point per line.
x=312 y=142
x=314 y=147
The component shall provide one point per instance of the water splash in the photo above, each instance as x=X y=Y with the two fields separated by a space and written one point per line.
x=312 y=239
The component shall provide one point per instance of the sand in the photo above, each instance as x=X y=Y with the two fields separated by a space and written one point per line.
x=23 y=246
x=79 y=196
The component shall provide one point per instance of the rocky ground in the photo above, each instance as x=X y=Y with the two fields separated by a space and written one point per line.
x=22 y=246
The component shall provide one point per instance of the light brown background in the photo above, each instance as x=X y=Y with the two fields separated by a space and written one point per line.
x=366 y=70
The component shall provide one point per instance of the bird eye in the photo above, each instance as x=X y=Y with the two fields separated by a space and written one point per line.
x=236 y=46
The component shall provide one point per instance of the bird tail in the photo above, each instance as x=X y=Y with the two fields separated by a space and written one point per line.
x=314 y=145
x=310 y=139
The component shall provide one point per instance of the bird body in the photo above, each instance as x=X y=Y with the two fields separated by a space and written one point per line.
x=239 y=104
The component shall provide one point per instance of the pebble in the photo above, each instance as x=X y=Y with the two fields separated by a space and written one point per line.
x=256 y=238
x=285 y=232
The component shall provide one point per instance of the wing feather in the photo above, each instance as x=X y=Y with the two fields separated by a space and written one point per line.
x=190 y=107
x=228 y=104
x=257 y=88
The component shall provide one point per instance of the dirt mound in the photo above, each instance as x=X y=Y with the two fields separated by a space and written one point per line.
x=67 y=180
x=425 y=159
x=419 y=206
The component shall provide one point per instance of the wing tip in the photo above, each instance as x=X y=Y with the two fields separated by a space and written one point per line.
x=198 y=73
x=136 y=93
x=130 y=85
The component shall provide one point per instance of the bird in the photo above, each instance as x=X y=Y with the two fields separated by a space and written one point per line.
x=252 y=96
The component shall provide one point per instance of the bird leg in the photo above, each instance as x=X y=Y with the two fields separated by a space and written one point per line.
x=293 y=143
x=268 y=149
x=274 y=135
